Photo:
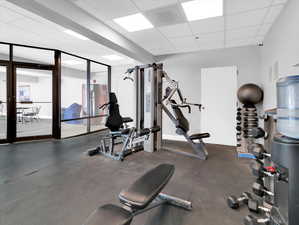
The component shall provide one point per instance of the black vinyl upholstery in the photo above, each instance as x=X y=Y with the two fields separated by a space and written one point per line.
x=114 y=120
x=110 y=215
x=199 y=136
x=143 y=191
x=181 y=121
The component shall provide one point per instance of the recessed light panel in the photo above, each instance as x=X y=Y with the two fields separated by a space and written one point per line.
x=134 y=22
x=202 y=9
x=112 y=57
x=77 y=35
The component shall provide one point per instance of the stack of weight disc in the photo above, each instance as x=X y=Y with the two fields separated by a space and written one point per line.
x=239 y=127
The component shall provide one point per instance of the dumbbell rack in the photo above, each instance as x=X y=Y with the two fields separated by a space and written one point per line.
x=247 y=119
x=265 y=184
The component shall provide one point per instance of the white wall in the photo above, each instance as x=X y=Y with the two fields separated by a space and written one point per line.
x=281 y=46
x=125 y=91
x=186 y=68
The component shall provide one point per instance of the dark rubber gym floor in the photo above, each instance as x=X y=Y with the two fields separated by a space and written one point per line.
x=54 y=183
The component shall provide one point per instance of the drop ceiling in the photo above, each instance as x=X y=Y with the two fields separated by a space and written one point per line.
x=245 y=22
x=20 y=26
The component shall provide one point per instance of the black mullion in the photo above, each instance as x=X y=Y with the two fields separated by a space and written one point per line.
x=88 y=95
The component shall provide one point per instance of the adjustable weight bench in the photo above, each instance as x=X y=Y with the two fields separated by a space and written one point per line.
x=143 y=195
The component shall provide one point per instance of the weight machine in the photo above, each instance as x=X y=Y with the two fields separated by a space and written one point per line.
x=151 y=102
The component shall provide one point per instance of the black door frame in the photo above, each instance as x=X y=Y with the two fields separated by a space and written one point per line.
x=13 y=120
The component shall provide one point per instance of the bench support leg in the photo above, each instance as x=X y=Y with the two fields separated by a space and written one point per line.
x=175 y=201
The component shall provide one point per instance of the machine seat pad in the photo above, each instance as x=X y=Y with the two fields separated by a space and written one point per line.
x=199 y=136
x=143 y=191
x=110 y=215
x=127 y=119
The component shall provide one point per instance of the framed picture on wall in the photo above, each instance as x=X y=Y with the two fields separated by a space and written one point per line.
x=24 y=93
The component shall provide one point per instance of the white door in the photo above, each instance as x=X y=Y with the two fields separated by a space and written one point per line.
x=219 y=100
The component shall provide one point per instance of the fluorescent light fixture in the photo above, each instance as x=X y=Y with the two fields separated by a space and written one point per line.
x=202 y=9
x=77 y=35
x=134 y=22
x=71 y=62
x=112 y=57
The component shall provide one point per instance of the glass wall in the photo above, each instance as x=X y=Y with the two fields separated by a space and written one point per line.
x=84 y=87
x=31 y=80
x=98 y=95
x=4 y=52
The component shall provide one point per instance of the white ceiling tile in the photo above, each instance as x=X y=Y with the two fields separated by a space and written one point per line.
x=149 y=39
x=264 y=29
x=252 y=18
x=207 y=25
x=108 y=10
x=273 y=13
x=177 y=30
x=242 y=33
x=238 y=43
x=7 y=15
x=209 y=45
x=237 y=6
x=37 y=27
x=184 y=43
x=217 y=36
x=152 y=4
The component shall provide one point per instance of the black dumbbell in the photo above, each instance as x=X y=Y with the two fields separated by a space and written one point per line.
x=234 y=203
x=260 y=190
x=238 y=128
x=238 y=118
x=254 y=206
x=251 y=220
x=259 y=171
x=258 y=132
x=259 y=152
x=239 y=109
x=239 y=113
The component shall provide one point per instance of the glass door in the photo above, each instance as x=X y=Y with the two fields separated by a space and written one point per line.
x=34 y=102
x=3 y=102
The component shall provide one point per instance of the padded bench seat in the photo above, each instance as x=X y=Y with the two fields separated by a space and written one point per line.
x=146 y=188
x=199 y=136
x=110 y=215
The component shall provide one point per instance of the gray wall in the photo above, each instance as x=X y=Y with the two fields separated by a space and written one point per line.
x=186 y=68
x=281 y=47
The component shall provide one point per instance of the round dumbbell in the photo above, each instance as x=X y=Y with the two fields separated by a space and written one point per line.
x=238 y=128
x=238 y=118
x=254 y=206
x=234 y=203
x=239 y=109
x=260 y=190
x=259 y=171
x=239 y=113
x=251 y=220
x=259 y=152
x=258 y=132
